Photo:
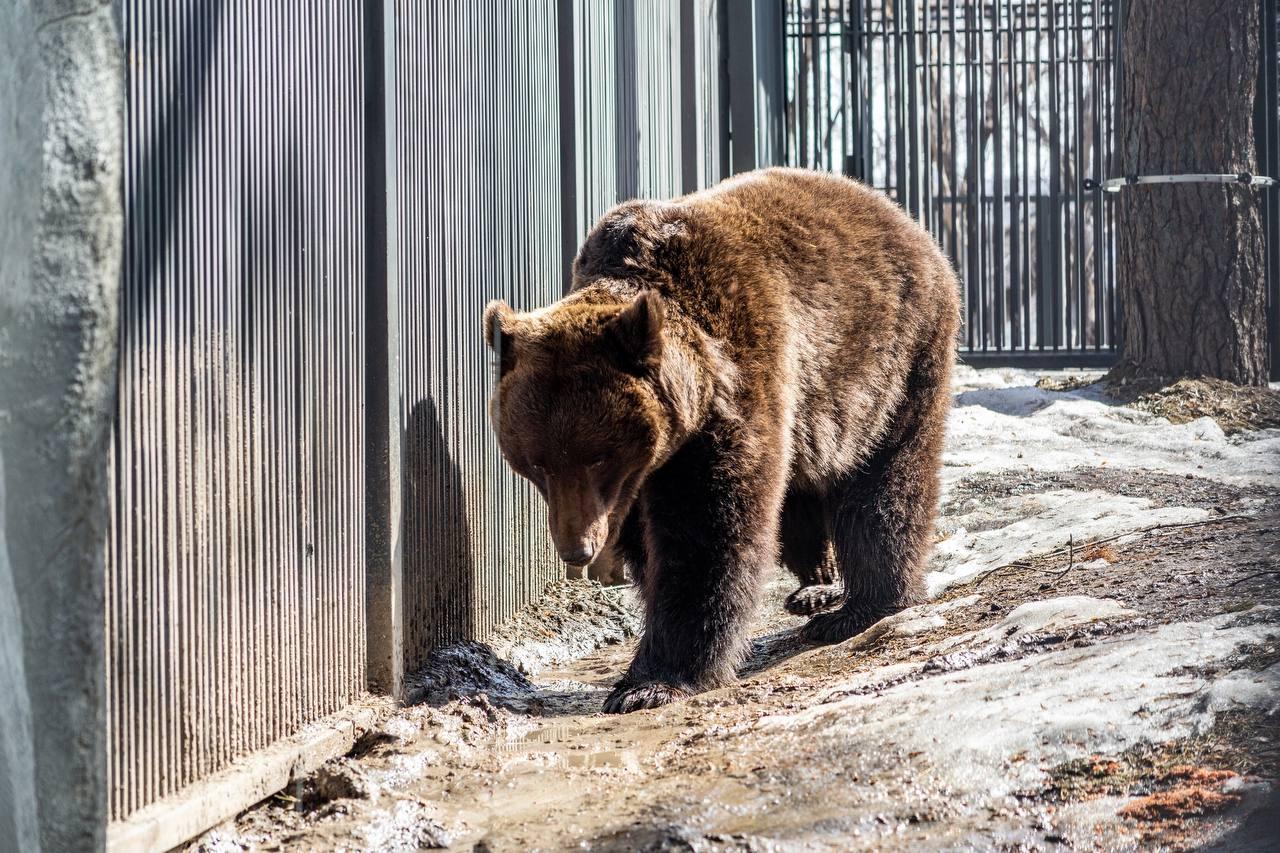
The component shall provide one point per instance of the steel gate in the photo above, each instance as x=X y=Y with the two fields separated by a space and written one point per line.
x=983 y=118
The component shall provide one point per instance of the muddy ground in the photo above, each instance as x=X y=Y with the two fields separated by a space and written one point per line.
x=1099 y=669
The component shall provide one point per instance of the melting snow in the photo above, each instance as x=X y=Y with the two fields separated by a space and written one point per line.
x=1002 y=423
x=1144 y=686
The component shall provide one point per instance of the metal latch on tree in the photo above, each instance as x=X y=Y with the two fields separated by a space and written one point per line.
x=1114 y=185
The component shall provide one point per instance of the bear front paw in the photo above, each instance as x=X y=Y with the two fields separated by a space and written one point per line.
x=626 y=698
x=808 y=600
x=839 y=625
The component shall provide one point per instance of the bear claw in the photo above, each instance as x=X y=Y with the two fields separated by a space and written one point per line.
x=808 y=600
x=626 y=698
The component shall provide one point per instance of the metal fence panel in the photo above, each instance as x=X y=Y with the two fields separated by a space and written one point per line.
x=235 y=554
x=629 y=117
x=478 y=175
x=300 y=225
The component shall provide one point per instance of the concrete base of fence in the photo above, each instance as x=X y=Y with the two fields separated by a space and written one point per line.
x=167 y=823
x=61 y=96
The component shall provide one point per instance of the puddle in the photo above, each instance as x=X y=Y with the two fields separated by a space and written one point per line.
x=562 y=746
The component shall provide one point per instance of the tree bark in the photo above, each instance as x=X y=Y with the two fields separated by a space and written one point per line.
x=1190 y=256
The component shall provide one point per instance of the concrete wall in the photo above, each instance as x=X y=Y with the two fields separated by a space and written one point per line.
x=60 y=231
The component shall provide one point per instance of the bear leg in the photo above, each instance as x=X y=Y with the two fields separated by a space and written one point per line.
x=711 y=524
x=882 y=517
x=629 y=547
x=807 y=554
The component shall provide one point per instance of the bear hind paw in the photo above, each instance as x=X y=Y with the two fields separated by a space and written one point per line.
x=626 y=698
x=839 y=625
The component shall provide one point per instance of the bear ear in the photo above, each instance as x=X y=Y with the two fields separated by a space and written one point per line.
x=634 y=336
x=499 y=333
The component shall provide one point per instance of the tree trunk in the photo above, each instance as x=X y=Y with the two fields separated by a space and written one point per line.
x=1190 y=261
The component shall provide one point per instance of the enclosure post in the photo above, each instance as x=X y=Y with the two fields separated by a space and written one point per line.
x=740 y=48
x=689 y=125
x=384 y=561
x=568 y=140
x=724 y=167
x=61 y=240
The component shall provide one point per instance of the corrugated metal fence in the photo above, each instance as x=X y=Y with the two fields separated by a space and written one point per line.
x=306 y=495
x=234 y=567
x=478 y=186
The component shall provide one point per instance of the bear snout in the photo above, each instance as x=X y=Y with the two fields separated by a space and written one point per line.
x=578 y=536
x=579 y=555
x=581 y=549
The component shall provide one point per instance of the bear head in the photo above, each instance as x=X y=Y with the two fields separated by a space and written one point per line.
x=579 y=411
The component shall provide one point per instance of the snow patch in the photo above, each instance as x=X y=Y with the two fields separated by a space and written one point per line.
x=1001 y=422
x=905 y=623
x=1054 y=707
x=908 y=623
x=1248 y=688
x=1045 y=522
x=1033 y=617
x=1055 y=614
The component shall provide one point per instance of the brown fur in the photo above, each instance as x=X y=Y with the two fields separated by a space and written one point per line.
x=758 y=370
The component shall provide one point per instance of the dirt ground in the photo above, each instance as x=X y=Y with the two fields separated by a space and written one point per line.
x=1099 y=669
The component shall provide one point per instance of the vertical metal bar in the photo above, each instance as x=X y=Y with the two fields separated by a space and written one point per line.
x=687 y=111
x=1115 y=69
x=899 y=127
x=955 y=179
x=844 y=53
x=815 y=62
x=973 y=163
x=384 y=611
x=565 y=64
x=1029 y=207
x=983 y=75
x=1016 y=95
x=1055 y=179
x=1078 y=66
x=881 y=30
x=999 y=296
x=1043 y=277
x=921 y=92
x=803 y=82
x=824 y=129
x=1097 y=203
x=855 y=163
x=926 y=120
x=740 y=47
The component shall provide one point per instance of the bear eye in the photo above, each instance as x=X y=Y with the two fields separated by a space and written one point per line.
x=597 y=462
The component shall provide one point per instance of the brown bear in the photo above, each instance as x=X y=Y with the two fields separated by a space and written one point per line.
x=754 y=371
